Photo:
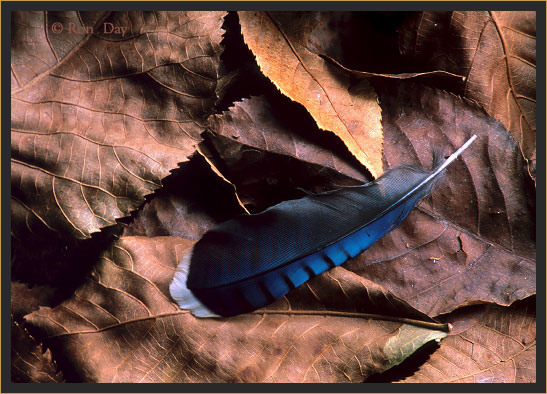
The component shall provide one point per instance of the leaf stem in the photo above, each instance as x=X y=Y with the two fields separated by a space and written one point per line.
x=446 y=327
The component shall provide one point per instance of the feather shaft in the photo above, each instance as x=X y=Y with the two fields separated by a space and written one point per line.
x=250 y=261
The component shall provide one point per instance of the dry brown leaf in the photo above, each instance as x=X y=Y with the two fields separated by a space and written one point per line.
x=473 y=240
x=360 y=40
x=267 y=149
x=260 y=124
x=121 y=326
x=489 y=344
x=192 y=200
x=278 y=40
x=205 y=154
x=30 y=363
x=496 y=51
x=99 y=119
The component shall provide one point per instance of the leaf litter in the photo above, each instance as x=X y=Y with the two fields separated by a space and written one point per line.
x=347 y=325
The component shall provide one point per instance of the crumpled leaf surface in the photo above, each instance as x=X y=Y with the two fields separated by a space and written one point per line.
x=479 y=221
x=122 y=326
x=30 y=363
x=496 y=51
x=99 y=119
x=489 y=344
x=331 y=34
x=278 y=40
x=268 y=148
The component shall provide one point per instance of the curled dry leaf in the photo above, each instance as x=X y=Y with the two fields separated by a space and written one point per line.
x=496 y=51
x=473 y=240
x=100 y=117
x=122 y=326
x=489 y=344
x=30 y=363
x=279 y=42
x=268 y=148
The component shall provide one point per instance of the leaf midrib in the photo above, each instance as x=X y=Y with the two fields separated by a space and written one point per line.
x=306 y=312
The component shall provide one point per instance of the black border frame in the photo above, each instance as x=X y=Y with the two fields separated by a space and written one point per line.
x=8 y=6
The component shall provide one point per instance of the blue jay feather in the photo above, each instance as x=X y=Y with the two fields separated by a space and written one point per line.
x=252 y=260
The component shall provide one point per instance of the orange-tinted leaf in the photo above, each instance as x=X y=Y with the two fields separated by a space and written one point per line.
x=99 y=118
x=473 y=240
x=279 y=40
x=30 y=363
x=122 y=326
x=496 y=51
x=489 y=344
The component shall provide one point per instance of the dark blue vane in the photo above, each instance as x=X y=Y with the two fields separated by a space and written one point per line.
x=250 y=261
